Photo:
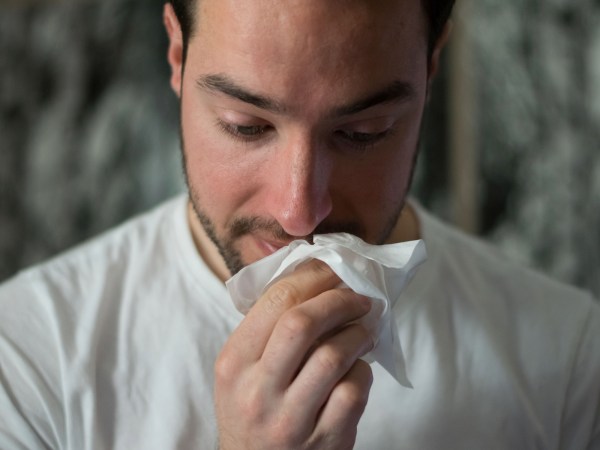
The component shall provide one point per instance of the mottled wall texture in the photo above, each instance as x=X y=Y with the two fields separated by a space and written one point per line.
x=538 y=74
x=88 y=127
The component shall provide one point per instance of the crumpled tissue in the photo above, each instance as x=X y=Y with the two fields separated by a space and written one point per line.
x=379 y=272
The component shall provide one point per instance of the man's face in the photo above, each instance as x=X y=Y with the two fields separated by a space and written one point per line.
x=301 y=117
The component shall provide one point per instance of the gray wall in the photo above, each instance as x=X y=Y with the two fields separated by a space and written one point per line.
x=539 y=79
x=88 y=125
x=88 y=128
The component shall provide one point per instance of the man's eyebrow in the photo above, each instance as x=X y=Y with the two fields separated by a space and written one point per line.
x=396 y=92
x=225 y=85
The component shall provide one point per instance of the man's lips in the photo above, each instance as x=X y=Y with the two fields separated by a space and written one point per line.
x=268 y=246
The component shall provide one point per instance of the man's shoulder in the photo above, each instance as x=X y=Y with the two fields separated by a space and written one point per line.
x=105 y=257
x=471 y=261
x=524 y=309
x=477 y=301
x=81 y=328
x=85 y=290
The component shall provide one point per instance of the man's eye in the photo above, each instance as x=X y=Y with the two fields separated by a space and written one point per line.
x=361 y=137
x=362 y=140
x=244 y=132
x=251 y=130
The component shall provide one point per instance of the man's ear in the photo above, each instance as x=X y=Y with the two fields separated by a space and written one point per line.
x=434 y=62
x=175 y=51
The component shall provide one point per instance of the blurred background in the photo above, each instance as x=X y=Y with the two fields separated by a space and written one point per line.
x=510 y=149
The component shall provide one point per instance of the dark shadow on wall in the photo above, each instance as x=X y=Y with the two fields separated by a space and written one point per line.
x=88 y=125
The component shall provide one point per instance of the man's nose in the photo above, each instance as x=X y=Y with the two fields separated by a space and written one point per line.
x=300 y=192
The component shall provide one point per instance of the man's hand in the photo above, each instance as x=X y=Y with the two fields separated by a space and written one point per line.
x=289 y=377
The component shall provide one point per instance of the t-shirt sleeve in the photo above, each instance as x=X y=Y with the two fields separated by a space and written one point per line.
x=581 y=418
x=30 y=411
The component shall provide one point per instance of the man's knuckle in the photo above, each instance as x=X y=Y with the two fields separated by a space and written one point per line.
x=225 y=368
x=330 y=359
x=320 y=268
x=346 y=298
x=352 y=397
x=280 y=296
x=296 y=322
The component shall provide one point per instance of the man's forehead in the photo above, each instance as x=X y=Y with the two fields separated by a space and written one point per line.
x=270 y=4
x=340 y=22
x=264 y=10
x=310 y=55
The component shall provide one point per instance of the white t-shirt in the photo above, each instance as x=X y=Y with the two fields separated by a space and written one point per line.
x=112 y=346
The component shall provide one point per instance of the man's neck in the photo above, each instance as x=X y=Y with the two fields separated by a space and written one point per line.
x=407 y=228
x=206 y=248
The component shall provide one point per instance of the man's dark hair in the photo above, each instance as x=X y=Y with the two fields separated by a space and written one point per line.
x=185 y=10
x=438 y=12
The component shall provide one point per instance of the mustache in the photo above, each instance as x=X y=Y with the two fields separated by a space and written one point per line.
x=241 y=226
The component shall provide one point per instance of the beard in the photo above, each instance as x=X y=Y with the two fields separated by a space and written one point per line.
x=242 y=226
x=239 y=227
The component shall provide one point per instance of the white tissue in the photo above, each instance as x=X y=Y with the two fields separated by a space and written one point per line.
x=379 y=272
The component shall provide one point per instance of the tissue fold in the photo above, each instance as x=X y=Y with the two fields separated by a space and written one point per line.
x=379 y=272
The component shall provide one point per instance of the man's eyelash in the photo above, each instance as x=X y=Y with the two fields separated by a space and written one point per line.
x=243 y=133
x=364 y=141
x=251 y=133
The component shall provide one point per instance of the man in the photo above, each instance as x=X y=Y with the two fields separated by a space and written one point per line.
x=298 y=117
